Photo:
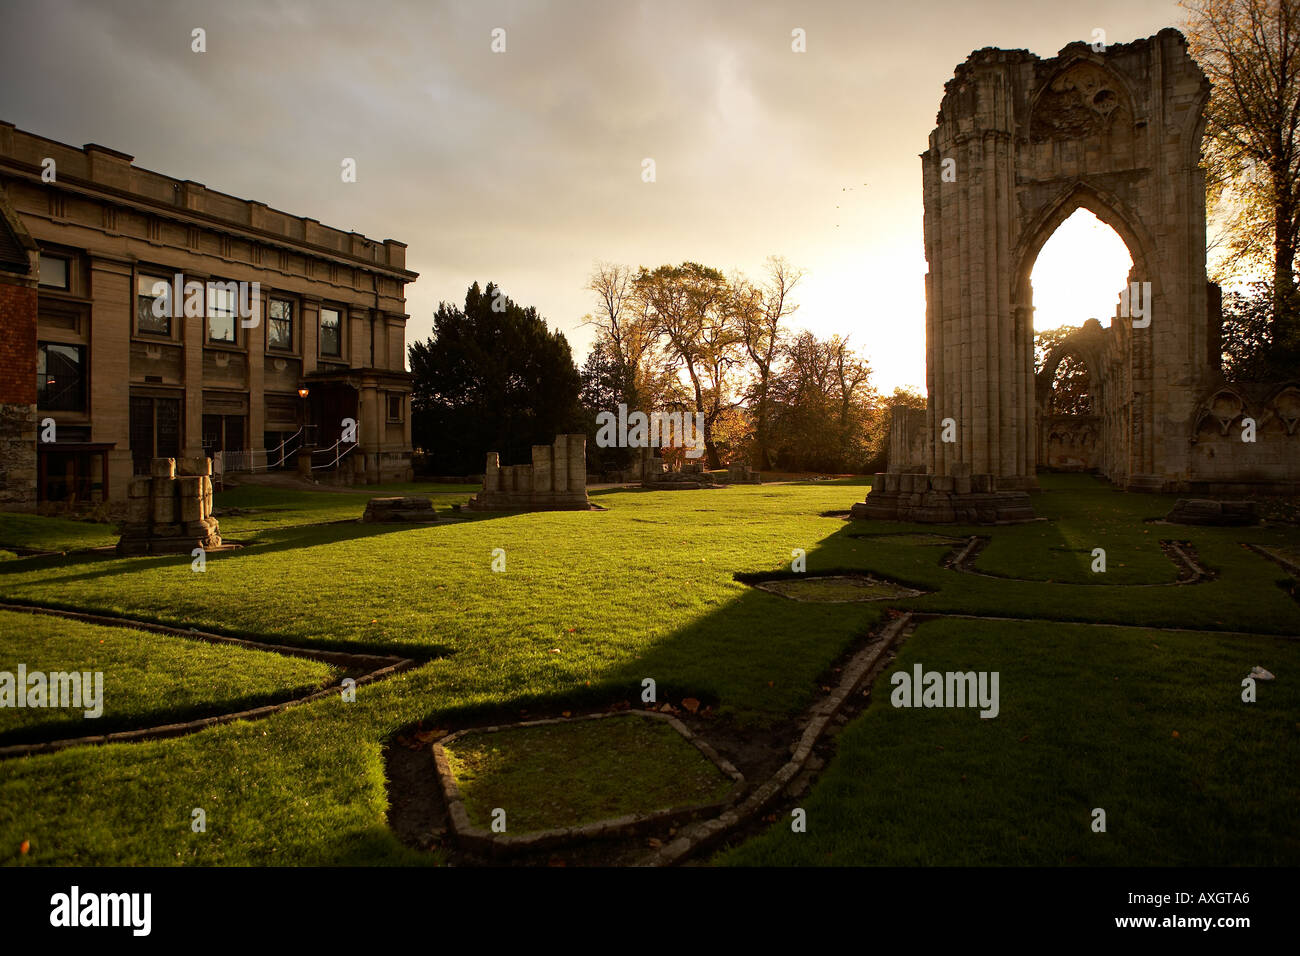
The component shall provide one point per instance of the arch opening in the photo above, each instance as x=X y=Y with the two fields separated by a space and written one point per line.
x=1078 y=275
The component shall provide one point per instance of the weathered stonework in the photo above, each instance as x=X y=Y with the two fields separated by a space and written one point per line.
x=405 y=509
x=170 y=512
x=943 y=499
x=555 y=481
x=17 y=457
x=1021 y=144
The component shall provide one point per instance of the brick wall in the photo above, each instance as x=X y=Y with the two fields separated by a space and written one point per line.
x=17 y=396
x=17 y=344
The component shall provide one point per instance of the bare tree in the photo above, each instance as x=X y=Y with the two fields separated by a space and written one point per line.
x=759 y=311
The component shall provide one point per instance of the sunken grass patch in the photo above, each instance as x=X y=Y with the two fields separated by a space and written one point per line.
x=564 y=775
x=148 y=679
x=1149 y=726
x=833 y=589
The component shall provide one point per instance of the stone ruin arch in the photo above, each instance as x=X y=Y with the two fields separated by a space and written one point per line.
x=1020 y=143
x=1118 y=133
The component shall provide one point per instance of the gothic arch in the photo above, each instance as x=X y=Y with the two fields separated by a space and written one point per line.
x=1032 y=140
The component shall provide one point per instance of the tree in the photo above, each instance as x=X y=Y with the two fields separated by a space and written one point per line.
x=1244 y=345
x=688 y=306
x=492 y=377
x=1250 y=50
x=606 y=383
x=759 y=310
x=624 y=324
x=821 y=405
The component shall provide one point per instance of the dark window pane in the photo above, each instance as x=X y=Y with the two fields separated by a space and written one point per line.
x=280 y=325
x=168 y=418
x=60 y=377
x=141 y=434
x=330 y=327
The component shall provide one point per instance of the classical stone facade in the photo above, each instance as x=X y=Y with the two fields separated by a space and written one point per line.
x=124 y=385
x=1021 y=144
x=556 y=480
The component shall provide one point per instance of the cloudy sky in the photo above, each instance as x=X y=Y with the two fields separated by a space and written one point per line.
x=525 y=167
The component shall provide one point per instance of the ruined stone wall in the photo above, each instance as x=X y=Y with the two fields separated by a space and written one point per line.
x=1021 y=143
x=170 y=512
x=909 y=439
x=556 y=480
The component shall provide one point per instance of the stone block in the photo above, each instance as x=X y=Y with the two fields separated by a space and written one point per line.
x=163 y=467
x=543 y=472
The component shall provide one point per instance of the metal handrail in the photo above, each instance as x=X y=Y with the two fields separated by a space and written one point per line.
x=339 y=456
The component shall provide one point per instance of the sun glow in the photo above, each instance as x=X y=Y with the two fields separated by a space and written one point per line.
x=1080 y=272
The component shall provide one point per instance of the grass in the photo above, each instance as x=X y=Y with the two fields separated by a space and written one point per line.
x=564 y=775
x=1148 y=726
x=591 y=603
x=37 y=533
x=148 y=679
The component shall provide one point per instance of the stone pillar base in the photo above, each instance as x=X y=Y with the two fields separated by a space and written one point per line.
x=943 y=499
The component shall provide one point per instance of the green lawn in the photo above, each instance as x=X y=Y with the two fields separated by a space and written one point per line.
x=1147 y=726
x=148 y=679
x=589 y=604
x=582 y=771
x=37 y=533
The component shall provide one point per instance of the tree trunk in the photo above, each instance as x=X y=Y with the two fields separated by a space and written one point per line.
x=1284 y=250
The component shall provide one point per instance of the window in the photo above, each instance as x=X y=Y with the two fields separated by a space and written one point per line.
x=60 y=377
x=155 y=430
x=148 y=303
x=331 y=332
x=54 y=272
x=394 y=408
x=279 y=324
x=221 y=312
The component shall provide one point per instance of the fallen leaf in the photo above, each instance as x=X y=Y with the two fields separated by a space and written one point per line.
x=553 y=650
x=566 y=713
x=1024 y=738
x=25 y=845
x=1175 y=733
x=691 y=704
x=652 y=842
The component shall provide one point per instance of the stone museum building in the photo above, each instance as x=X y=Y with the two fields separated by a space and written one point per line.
x=308 y=373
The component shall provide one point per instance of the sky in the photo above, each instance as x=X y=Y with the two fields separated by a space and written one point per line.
x=525 y=167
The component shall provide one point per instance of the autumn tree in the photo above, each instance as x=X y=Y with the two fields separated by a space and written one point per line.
x=688 y=307
x=1250 y=50
x=880 y=424
x=821 y=404
x=624 y=324
x=760 y=310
